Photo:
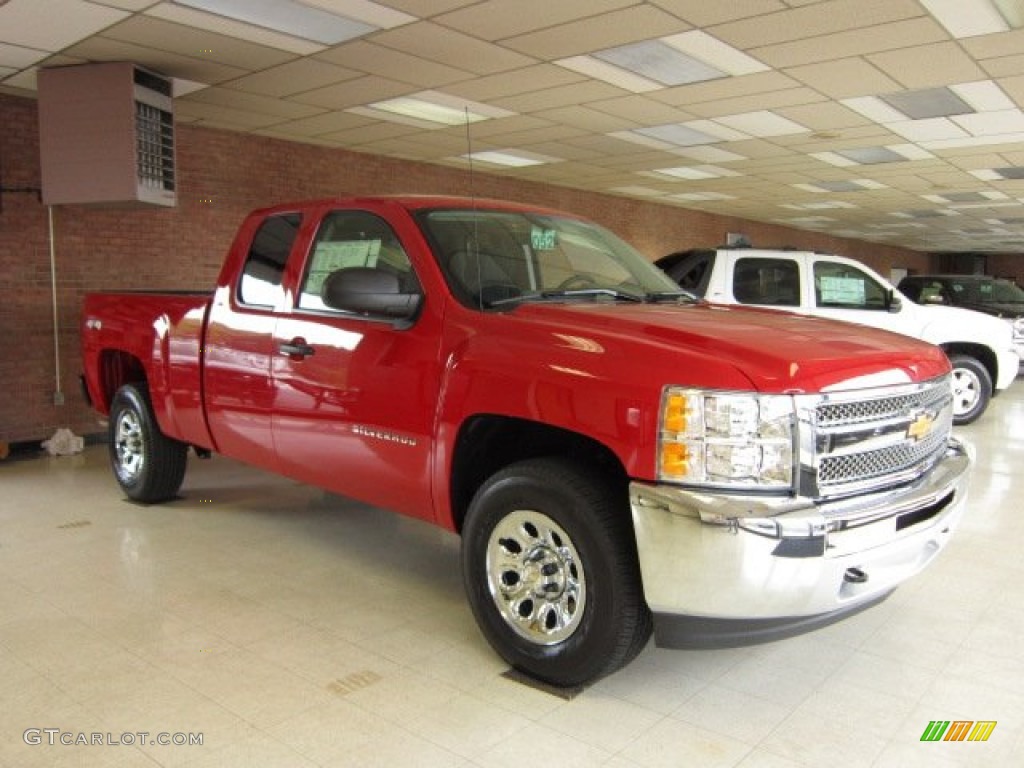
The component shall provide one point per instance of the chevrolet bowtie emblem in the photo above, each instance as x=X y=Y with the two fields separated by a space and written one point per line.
x=920 y=426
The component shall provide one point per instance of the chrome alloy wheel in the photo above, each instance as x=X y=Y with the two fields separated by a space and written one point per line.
x=129 y=446
x=535 y=577
x=966 y=390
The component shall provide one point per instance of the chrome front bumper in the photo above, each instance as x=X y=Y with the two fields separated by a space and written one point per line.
x=747 y=566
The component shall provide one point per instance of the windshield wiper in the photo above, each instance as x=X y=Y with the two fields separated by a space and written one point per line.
x=656 y=296
x=554 y=295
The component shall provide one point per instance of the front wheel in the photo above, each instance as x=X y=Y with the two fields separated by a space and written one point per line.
x=148 y=465
x=972 y=388
x=550 y=567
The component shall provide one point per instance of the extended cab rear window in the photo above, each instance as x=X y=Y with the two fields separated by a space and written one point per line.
x=262 y=274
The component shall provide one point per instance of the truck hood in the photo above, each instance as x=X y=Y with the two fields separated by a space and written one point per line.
x=774 y=351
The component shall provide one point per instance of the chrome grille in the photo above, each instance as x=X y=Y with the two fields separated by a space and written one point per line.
x=867 y=440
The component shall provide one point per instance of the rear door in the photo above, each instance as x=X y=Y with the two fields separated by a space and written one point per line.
x=238 y=347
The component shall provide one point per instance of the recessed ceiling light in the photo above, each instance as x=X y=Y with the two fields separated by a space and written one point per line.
x=927 y=102
x=712 y=51
x=287 y=16
x=433 y=107
x=513 y=158
x=968 y=18
x=693 y=172
x=679 y=135
x=659 y=62
x=871 y=155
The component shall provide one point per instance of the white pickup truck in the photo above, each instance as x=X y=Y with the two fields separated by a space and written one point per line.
x=980 y=348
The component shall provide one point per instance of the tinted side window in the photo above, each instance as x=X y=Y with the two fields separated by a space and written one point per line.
x=354 y=239
x=264 y=266
x=846 y=287
x=774 y=282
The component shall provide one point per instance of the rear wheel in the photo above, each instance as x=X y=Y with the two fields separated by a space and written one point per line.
x=148 y=465
x=972 y=388
x=549 y=563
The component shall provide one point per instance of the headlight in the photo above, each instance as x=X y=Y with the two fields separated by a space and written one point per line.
x=726 y=439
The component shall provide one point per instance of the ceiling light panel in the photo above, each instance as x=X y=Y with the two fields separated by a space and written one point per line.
x=433 y=109
x=703 y=47
x=927 y=102
x=657 y=61
x=287 y=16
x=678 y=135
x=362 y=10
x=967 y=18
x=871 y=155
x=511 y=158
x=602 y=70
x=211 y=22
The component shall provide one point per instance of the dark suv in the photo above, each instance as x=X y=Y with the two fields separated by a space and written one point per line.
x=991 y=295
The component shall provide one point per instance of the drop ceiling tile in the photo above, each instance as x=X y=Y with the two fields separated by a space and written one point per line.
x=263 y=105
x=725 y=88
x=326 y=123
x=1007 y=66
x=772 y=100
x=704 y=14
x=425 y=9
x=928 y=66
x=436 y=43
x=166 y=63
x=532 y=78
x=994 y=46
x=844 y=78
x=612 y=29
x=294 y=77
x=642 y=110
x=498 y=19
x=822 y=116
x=222 y=116
x=855 y=42
x=396 y=65
x=354 y=93
x=562 y=96
x=369 y=133
x=586 y=118
x=51 y=25
x=178 y=39
x=16 y=57
x=127 y=5
x=814 y=21
x=526 y=139
x=489 y=128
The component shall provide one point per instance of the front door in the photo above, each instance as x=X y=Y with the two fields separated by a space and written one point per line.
x=355 y=397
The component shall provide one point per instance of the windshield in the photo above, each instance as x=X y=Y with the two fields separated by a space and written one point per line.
x=492 y=258
x=993 y=291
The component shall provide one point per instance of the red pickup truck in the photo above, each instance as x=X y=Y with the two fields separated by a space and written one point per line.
x=615 y=454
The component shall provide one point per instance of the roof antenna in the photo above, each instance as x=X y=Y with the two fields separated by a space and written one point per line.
x=474 y=247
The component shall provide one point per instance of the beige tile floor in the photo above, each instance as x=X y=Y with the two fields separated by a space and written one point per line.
x=294 y=629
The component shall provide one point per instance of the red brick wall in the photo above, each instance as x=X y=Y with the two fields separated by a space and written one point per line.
x=221 y=177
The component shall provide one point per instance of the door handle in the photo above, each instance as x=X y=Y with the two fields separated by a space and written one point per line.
x=296 y=349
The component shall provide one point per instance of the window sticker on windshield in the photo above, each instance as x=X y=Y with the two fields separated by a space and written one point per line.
x=543 y=239
x=842 y=290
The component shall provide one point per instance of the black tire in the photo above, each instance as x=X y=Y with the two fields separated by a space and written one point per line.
x=550 y=567
x=148 y=465
x=972 y=388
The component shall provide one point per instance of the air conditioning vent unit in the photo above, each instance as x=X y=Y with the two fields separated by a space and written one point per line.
x=106 y=135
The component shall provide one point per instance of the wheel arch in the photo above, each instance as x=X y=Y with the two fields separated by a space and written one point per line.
x=486 y=443
x=983 y=354
x=115 y=368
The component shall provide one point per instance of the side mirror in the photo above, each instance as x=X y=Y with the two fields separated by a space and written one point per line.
x=369 y=291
